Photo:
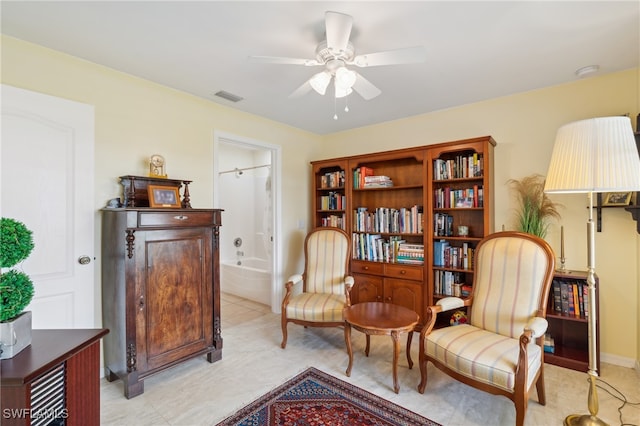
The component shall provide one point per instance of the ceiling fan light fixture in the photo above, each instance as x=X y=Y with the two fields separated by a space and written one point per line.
x=345 y=78
x=320 y=82
x=341 y=92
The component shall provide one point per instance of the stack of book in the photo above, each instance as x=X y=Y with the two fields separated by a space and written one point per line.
x=377 y=182
x=549 y=344
x=359 y=174
x=410 y=253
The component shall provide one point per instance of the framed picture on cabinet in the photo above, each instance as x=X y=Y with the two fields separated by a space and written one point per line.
x=163 y=197
x=617 y=199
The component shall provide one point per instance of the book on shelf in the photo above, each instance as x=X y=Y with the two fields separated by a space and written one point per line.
x=466 y=254
x=549 y=344
x=564 y=295
x=570 y=298
x=377 y=182
x=374 y=248
x=332 y=180
x=454 y=257
x=335 y=221
x=462 y=166
x=447 y=197
x=359 y=175
x=333 y=201
x=442 y=225
x=557 y=299
x=410 y=253
x=438 y=252
x=444 y=282
x=466 y=290
x=406 y=220
x=577 y=297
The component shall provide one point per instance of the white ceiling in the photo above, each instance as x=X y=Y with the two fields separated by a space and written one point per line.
x=476 y=50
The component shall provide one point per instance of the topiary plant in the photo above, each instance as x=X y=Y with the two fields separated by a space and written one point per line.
x=16 y=288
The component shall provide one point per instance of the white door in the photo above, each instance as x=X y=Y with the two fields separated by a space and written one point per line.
x=47 y=183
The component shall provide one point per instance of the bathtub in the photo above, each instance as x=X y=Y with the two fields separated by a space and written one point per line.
x=250 y=279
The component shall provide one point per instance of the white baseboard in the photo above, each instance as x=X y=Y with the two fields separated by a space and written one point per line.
x=620 y=360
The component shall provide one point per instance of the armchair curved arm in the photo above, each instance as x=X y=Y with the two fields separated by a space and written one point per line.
x=537 y=326
x=535 y=329
x=449 y=303
x=293 y=280
x=348 y=285
x=442 y=305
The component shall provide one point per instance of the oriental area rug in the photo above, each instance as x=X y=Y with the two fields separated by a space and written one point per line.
x=314 y=398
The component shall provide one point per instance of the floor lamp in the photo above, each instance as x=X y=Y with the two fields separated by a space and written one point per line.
x=594 y=155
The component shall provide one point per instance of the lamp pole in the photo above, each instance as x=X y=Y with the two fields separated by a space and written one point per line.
x=592 y=399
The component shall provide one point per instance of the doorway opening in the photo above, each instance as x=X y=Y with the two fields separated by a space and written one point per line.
x=246 y=187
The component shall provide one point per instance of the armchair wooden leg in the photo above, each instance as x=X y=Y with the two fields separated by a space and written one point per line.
x=422 y=361
x=542 y=398
x=284 y=331
x=520 y=401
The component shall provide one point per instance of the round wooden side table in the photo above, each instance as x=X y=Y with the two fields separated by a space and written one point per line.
x=377 y=318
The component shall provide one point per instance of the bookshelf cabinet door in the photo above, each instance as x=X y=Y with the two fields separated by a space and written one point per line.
x=404 y=293
x=367 y=288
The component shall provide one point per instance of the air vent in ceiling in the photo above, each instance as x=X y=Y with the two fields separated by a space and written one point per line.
x=228 y=96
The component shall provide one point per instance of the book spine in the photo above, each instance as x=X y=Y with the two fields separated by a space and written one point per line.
x=565 y=297
x=557 y=299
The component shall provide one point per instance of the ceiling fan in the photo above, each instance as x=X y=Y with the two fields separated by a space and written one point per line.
x=336 y=52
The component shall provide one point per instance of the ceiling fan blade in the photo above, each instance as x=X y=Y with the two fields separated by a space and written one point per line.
x=409 y=55
x=301 y=91
x=365 y=88
x=284 y=61
x=338 y=28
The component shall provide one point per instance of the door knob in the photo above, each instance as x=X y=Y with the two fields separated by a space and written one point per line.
x=84 y=260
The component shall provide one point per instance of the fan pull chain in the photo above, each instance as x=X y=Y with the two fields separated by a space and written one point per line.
x=335 y=114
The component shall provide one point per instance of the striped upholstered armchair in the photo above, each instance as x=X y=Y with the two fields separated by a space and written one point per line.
x=325 y=288
x=500 y=349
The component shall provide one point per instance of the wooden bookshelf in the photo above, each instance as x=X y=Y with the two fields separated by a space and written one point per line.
x=570 y=329
x=371 y=211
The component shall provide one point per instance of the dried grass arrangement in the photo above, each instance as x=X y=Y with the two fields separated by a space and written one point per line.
x=536 y=209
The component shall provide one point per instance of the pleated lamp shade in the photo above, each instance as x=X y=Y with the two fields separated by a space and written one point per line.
x=594 y=155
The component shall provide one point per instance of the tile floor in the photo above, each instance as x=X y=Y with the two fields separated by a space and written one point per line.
x=198 y=393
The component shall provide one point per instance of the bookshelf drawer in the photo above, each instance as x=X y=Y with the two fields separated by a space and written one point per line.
x=404 y=272
x=374 y=268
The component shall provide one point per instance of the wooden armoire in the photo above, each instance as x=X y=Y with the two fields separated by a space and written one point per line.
x=160 y=290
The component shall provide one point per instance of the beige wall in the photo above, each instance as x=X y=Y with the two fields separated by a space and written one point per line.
x=136 y=118
x=524 y=127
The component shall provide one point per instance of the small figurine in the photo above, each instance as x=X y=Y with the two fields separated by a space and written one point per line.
x=458 y=317
x=156 y=166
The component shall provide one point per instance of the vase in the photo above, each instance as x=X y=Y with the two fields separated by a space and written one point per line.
x=15 y=335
